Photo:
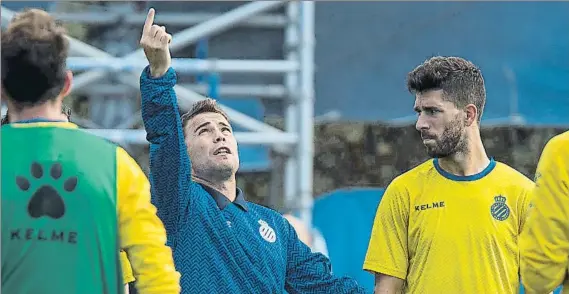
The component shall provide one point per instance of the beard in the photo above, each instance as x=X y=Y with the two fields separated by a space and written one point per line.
x=213 y=171
x=221 y=171
x=451 y=142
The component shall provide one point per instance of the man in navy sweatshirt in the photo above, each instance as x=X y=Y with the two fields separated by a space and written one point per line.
x=221 y=242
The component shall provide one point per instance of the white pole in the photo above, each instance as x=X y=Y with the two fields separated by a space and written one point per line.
x=275 y=21
x=229 y=91
x=306 y=119
x=290 y=181
x=186 y=65
x=245 y=138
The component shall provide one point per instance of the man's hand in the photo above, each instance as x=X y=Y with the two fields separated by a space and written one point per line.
x=156 y=44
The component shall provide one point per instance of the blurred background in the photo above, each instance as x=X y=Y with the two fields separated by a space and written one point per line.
x=317 y=90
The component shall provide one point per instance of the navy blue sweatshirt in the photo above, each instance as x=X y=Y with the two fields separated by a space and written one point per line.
x=221 y=246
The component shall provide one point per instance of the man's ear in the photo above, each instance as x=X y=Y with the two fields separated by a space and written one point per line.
x=471 y=114
x=67 y=85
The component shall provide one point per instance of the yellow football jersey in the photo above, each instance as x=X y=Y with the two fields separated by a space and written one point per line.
x=544 y=243
x=443 y=233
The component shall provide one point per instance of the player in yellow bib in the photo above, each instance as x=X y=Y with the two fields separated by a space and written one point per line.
x=451 y=224
x=127 y=274
x=70 y=200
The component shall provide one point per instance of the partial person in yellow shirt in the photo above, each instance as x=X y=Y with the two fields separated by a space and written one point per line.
x=451 y=224
x=544 y=242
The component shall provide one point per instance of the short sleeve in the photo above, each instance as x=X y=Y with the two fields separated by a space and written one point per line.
x=387 y=251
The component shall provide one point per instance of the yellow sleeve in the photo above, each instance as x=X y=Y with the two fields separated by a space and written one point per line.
x=526 y=204
x=142 y=234
x=387 y=251
x=544 y=242
x=127 y=275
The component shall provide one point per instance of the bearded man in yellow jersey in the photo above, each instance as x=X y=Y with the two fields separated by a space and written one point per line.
x=451 y=224
x=544 y=243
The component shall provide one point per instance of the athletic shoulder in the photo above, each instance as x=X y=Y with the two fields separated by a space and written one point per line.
x=558 y=144
x=264 y=212
x=125 y=163
x=94 y=138
x=510 y=176
x=562 y=138
x=414 y=176
x=269 y=215
x=408 y=185
x=513 y=184
x=554 y=159
x=102 y=143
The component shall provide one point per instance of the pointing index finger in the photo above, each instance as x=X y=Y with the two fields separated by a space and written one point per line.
x=149 y=20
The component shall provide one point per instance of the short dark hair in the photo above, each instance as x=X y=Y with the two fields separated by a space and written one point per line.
x=460 y=80
x=34 y=53
x=202 y=106
x=64 y=110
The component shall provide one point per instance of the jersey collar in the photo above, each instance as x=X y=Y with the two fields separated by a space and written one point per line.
x=42 y=122
x=222 y=201
x=36 y=120
x=474 y=177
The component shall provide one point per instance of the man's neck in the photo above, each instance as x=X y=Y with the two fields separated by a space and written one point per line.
x=470 y=162
x=228 y=187
x=45 y=111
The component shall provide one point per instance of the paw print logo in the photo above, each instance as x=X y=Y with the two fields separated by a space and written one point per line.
x=46 y=200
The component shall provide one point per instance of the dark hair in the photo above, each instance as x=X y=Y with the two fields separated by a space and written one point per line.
x=64 y=110
x=460 y=80
x=202 y=106
x=34 y=53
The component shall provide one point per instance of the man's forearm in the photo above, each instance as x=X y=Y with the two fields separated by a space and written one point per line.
x=385 y=284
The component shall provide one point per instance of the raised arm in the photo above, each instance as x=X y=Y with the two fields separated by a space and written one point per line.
x=170 y=170
x=308 y=272
x=142 y=235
